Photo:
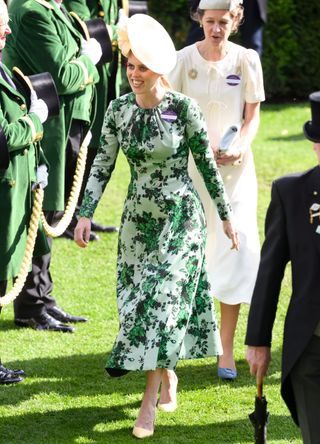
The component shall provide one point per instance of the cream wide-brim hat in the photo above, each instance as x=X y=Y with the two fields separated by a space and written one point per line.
x=149 y=42
x=219 y=4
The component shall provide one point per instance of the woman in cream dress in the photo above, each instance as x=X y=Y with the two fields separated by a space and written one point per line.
x=226 y=80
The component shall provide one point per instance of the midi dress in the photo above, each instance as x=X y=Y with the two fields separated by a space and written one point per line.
x=164 y=303
x=221 y=89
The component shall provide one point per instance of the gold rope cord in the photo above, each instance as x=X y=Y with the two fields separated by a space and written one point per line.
x=63 y=224
x=27 y=258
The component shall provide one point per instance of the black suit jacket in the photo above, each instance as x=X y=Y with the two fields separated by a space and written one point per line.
x=251 y=5
x=263 y=9
x=289 y=236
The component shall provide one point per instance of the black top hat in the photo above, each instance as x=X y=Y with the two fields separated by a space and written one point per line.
x=138 y=7
x=44 y=86
x=312 y=127
x=96 y=28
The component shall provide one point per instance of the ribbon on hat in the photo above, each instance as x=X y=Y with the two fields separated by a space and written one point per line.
x=220 y=4
x=235 y=3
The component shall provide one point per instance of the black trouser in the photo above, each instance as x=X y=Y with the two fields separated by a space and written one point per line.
x=305 y=379
x=36 y=293
x=35 y=296
x=75 y=140
x=3 y=287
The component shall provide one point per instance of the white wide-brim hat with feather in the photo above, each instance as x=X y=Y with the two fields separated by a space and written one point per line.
x=219 y=4
x=148 y=41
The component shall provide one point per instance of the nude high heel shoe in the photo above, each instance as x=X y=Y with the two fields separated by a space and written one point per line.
x=141 y=433
x=169 y=407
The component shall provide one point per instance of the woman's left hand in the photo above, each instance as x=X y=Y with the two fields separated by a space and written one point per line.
x=231 y=232
x=82 y=232
x=230 y=157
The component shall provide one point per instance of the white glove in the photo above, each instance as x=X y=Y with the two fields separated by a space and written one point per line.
x=38 y=106
x=122 y=18
x=42 y=175
x=92 y=49
x=88 y=138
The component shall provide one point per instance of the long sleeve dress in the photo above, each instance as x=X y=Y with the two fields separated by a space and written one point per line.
x=163 y=295
x=221 y=89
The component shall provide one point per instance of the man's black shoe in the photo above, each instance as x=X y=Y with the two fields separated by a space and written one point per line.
x=43 y=322
x=95 y=226
x=62 y=316
x=12 y=371
x=68 y=234
x=94 y=236
x=7 y=377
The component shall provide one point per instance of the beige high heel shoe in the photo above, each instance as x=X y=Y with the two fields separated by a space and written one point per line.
x=141 y=433
x=169 y=407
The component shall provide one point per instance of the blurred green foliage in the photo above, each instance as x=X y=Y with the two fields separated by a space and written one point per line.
x=291 y=58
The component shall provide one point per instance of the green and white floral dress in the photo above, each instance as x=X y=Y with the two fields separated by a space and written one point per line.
x=164 y=303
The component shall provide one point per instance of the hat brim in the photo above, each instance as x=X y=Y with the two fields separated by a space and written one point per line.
x=311 y=133
x=137 y=7
x=43 y=84
x=151 y=44
x=96 y=28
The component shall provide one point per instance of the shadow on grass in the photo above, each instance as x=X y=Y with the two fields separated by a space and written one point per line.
x=84 y=375
x=288 y=138
x=6 y=325
x=80 y=376
x=100 y=425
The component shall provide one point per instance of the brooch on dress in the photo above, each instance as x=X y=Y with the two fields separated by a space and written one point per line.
x=314 y=211
x=193 y=73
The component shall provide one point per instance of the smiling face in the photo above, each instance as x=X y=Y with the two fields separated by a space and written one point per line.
x=142 y=80
x=4 y=25
x=217 y=26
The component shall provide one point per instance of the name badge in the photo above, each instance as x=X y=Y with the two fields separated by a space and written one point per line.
x=168 y=115
x=233 y=80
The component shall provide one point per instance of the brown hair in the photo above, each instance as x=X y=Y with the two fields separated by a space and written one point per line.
x=165 y=82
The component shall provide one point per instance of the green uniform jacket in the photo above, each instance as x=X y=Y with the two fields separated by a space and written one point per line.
x=22 y=132
x=108 y=10
x=44 y=39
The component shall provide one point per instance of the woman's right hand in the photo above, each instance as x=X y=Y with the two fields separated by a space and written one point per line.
x=82 y=232
x=215 y=150
x=232 y=233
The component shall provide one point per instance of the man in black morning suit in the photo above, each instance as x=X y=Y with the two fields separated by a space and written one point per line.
x=292 y=233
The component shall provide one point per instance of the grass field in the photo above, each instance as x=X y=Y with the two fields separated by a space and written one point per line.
x=67 y=396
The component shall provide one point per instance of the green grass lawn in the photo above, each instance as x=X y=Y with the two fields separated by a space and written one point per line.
x=67 y=396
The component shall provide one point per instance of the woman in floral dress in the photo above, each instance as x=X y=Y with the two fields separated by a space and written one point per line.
x=165 y=309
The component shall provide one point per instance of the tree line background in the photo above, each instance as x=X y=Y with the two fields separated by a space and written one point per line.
x=291 y=58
